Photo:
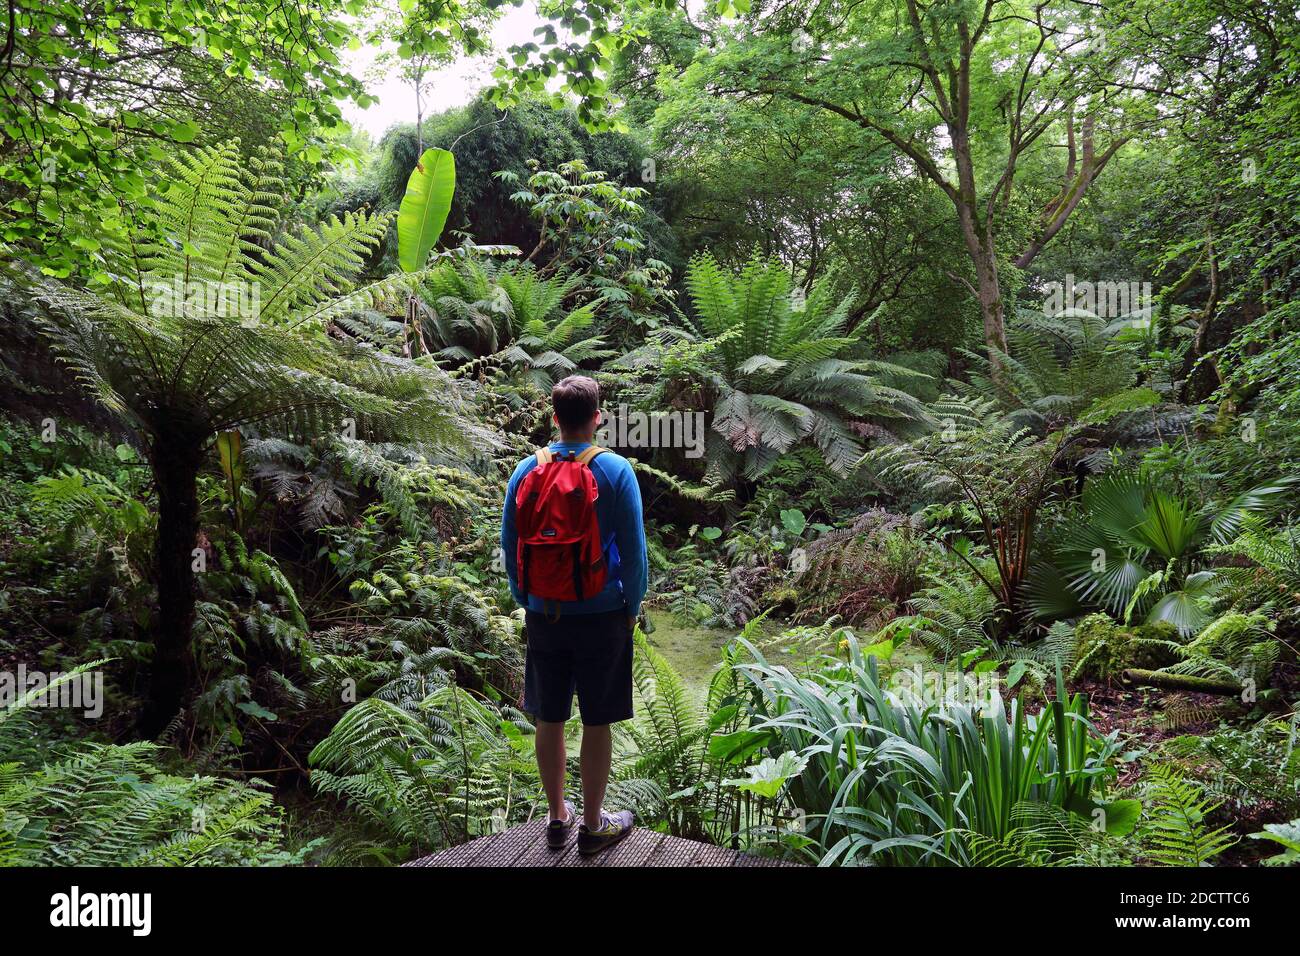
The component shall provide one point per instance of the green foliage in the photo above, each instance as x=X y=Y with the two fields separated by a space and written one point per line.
x=691 y=749
x=322 y=482
x=865 y=573
x=1044 y=835
x=448 y=769
x=902 y=781
x=1270 y=580
x=1060 y=369
x=218 y=266
x=424 y=208
x=1136 y=547
x=1103 y=649
x=162 y=350
x=510 y=317
x=97 y=95
x=114 y=805
x=1234 y=646
x=589 y=224
x=174 y=361
x=1004 y=472
x=671 y=733
x=1288 y=836
x=1251 y=769
x=781 y=372
x=1175 y=831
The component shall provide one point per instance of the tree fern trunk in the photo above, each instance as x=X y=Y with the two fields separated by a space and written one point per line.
x=175 y=470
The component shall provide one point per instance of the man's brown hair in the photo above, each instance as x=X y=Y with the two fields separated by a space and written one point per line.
x=575 y=400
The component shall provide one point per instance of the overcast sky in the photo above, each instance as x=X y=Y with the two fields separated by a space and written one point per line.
x=454 y=86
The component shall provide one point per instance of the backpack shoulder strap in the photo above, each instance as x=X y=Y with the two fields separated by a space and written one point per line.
x=543 y=455
x=590 y=453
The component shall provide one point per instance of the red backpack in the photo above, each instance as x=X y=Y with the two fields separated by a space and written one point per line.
x=559 y=552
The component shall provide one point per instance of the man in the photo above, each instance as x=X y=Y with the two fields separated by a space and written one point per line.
x=573 y=518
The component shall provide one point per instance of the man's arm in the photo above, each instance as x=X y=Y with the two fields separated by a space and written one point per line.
x=629 y=535
x=510 y=539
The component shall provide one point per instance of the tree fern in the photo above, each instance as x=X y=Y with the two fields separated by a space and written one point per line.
x=780 y=374
x=1003 y=472
x=1060 y=369
x=511 y=316
x=178 y=369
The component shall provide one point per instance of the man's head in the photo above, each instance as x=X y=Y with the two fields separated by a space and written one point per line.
x=576 y=401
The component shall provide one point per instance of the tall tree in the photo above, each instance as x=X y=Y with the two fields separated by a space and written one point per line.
x=962 y=90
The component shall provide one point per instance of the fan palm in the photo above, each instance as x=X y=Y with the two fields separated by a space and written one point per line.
x=512 y=316
x=781 y=370
x=1137 y=546
x=179 y=368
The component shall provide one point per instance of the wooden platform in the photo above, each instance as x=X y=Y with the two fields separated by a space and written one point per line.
x=525 y=845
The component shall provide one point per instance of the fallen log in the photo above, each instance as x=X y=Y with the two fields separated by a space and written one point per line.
x=1200 y=685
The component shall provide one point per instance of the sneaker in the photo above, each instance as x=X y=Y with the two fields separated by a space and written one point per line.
x=557 y=831
x=613 y=827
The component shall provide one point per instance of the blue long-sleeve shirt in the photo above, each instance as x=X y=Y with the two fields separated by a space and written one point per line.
x=622 y=535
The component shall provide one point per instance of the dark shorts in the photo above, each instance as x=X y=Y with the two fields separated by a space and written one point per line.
x=587 y=653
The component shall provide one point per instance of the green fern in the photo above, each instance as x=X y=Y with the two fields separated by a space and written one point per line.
x=781 y=373
x=112 y=805
x=1174 y=830
x=1045 y=835
x=442 y=773
x=510 y=316
x=179 y=369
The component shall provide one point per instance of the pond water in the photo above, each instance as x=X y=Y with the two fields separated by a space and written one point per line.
x=694 y=651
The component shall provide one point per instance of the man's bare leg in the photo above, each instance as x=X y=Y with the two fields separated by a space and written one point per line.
x=550 y=765
x=594 y=762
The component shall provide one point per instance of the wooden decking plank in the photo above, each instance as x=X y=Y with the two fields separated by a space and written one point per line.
x=745 y=860
x=632 y=850
x=462 y=854
x=510 y=845
x=525 y=846
x=676 y=852
x=541 y=854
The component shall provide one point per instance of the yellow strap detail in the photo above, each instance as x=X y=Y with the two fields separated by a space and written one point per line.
x=544 y=456
x=591 y=452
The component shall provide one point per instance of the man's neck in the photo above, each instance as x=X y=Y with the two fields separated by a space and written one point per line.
x=569 y=439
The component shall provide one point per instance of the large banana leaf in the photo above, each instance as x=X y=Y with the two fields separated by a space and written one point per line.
x=424 y=208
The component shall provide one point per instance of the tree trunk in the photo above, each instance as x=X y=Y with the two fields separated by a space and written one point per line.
x=980 y=244
x=988 y=289
x=992 y=310
x=1202 y=685
x=175 y=469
